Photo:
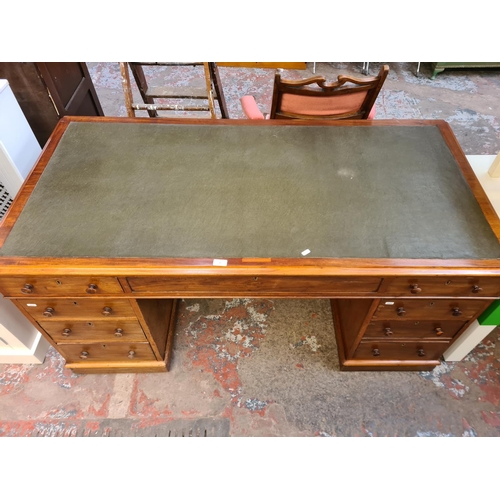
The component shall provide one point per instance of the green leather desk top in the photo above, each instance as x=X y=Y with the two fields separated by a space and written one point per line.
x=161 y=190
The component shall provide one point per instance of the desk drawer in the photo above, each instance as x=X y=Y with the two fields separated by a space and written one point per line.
x=233 y=286
x=393 y=330
x=400 y=350
x=58 y=286
x=94 y=331
x=130 y=352
x=426 y=309
x=443 y=286
x=57 y=309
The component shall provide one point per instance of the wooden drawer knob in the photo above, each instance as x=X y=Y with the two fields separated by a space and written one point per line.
x=456 y=311
x=49 y=312
x=131 y=354
x=66 y=332
x=415 y=289
x=27 y=288
x=400 y=311
x=476 y=289
x=106 y=311
x=84 y=355
x=439 y=331
x=92 y=288
x=388 y=332
x=376 y=352
x=420 y=353
x=118 y=332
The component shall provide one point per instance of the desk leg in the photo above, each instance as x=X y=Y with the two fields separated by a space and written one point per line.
x=158 y=318
x=350 y=319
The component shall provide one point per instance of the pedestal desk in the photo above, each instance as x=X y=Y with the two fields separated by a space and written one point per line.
x=121 y=217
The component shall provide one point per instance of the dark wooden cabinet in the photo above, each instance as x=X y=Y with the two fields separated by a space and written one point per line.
x=47 y=91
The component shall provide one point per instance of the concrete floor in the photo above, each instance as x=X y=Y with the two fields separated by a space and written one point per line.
x=248 y=367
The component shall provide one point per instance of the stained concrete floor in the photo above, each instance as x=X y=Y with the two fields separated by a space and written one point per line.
x=248 y=367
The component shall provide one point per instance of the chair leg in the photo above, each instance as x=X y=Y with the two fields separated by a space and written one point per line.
x=208 y=82
x=127 y=90
x=217 y=87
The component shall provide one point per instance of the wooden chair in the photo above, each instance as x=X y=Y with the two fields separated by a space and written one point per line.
x=312 y=99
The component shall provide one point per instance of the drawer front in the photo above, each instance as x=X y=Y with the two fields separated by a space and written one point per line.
x=233 y=286
x=400 y=350
x=427 y=309
x=94 y=331
x=43 y=309
x=131 y=352
x=24 y=286
x=443 y=286
x=393 y=330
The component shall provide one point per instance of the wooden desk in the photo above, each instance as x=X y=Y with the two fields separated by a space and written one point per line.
x=121 y=217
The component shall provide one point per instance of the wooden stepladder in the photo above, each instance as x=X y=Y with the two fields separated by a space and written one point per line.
x=210 y=93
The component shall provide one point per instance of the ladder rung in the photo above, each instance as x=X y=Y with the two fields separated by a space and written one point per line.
x=178 y=92
x=167 y=107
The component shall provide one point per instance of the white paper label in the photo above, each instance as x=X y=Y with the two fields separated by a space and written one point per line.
x=31 y=305
x=389 y=303
x=220 y=262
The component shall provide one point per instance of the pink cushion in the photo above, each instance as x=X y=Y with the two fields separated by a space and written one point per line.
x=371 y=116
x=250 y=108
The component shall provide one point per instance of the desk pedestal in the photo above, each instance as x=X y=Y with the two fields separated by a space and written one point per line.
x=106 y=335
x=399 y=333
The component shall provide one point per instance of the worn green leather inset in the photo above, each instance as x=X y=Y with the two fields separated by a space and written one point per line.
x=156 y=190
